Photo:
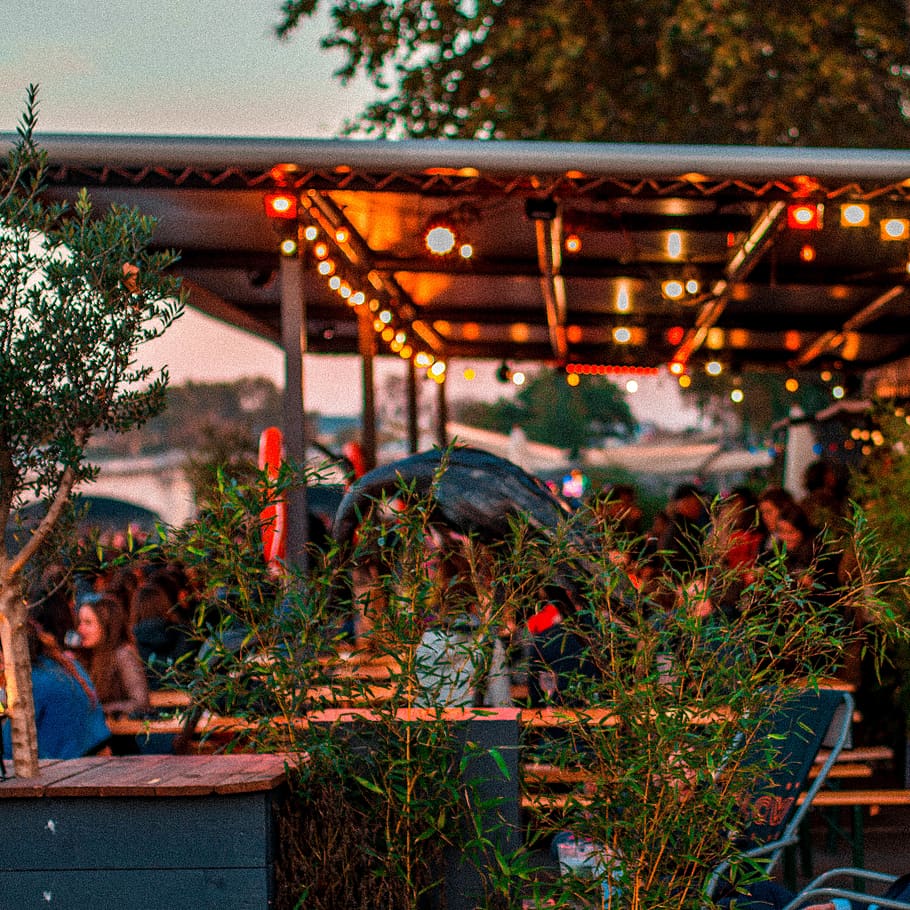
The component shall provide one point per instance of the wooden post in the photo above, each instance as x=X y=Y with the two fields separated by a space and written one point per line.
x=442 y=416
x=293 y=339
x=413 y=425
x=367 y=344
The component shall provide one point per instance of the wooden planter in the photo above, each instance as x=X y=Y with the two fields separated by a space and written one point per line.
x=143 y=832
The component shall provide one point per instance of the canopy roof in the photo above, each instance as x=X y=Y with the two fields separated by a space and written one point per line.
x=768 y=295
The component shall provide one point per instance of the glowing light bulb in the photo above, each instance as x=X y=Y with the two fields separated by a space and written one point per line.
x=440 y=240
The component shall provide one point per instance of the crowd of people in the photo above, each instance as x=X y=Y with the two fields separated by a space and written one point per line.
x=703 y=550
x=100 y=642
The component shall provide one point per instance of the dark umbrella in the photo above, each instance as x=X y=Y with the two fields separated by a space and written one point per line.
x=474 y=493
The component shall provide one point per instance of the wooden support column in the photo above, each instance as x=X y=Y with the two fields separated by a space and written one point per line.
x=367 y=344
x=413 y=425
x=293 y=340
x=442 y=416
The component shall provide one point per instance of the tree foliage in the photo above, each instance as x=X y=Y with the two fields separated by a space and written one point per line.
x=720 y=71
x=79 y=292
x=552 y=412
x=766 y=399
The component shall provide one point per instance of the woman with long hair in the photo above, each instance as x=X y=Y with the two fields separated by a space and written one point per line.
x=111 y=657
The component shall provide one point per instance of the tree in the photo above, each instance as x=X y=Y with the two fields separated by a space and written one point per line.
x=766 y=399
x=721 y=71
x=551 y=411
x=79 y=292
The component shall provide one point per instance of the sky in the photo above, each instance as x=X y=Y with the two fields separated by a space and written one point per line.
x=205 y=68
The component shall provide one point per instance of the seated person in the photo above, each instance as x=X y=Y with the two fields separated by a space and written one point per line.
x=68 y=716
x=110 y=654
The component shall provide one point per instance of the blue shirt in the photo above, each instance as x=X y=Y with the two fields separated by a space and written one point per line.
x=69 y=724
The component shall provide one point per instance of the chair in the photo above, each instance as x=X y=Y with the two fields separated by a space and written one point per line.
x=801 y=725
x=895 y=891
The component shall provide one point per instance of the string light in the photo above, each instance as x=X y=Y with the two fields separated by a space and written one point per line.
x=854 y=214
x=673 y=289
x=895 y=229
x=599 y=369
x=440 y=240
x=622 y=335
x=283 y=207
x=805 y=217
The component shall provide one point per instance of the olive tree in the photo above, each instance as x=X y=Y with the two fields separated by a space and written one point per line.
x=79 y=292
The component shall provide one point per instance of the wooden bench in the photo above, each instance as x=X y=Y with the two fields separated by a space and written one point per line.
x=857 y=801
x=149 y=832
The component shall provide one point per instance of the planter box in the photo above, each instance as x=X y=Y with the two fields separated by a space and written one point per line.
x=143 y=832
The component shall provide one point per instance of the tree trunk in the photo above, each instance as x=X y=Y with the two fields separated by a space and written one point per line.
x=18 y=670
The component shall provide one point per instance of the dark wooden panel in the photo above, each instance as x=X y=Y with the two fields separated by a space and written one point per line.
x=137 y=832
x=219 y=889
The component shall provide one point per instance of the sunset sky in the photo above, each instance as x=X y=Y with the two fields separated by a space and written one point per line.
x=200 y=67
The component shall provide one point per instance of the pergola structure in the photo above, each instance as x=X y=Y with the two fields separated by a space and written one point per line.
x=588 y=257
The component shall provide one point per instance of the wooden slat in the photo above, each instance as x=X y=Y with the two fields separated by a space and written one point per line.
x=154 y=775
x=50 y=772
x=169 y=698
x=132 y=775
x=834 y=798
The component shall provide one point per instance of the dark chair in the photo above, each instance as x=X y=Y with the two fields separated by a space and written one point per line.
x=879 y=890
x=799 y=727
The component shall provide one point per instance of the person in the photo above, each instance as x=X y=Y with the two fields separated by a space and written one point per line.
x=770 y=501
x=460 y=660
x=69 y=718
x=824 y=501
x=735 y=531
x=160 y=639
x=110 y=653
x=679 y=544
x=51 y=605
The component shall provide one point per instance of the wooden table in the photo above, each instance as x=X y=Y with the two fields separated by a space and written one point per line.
x=150 y=832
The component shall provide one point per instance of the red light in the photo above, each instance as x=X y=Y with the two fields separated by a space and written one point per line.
x=280 y=205
x=805 y=217
x=675 y=334
x=601 y=369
